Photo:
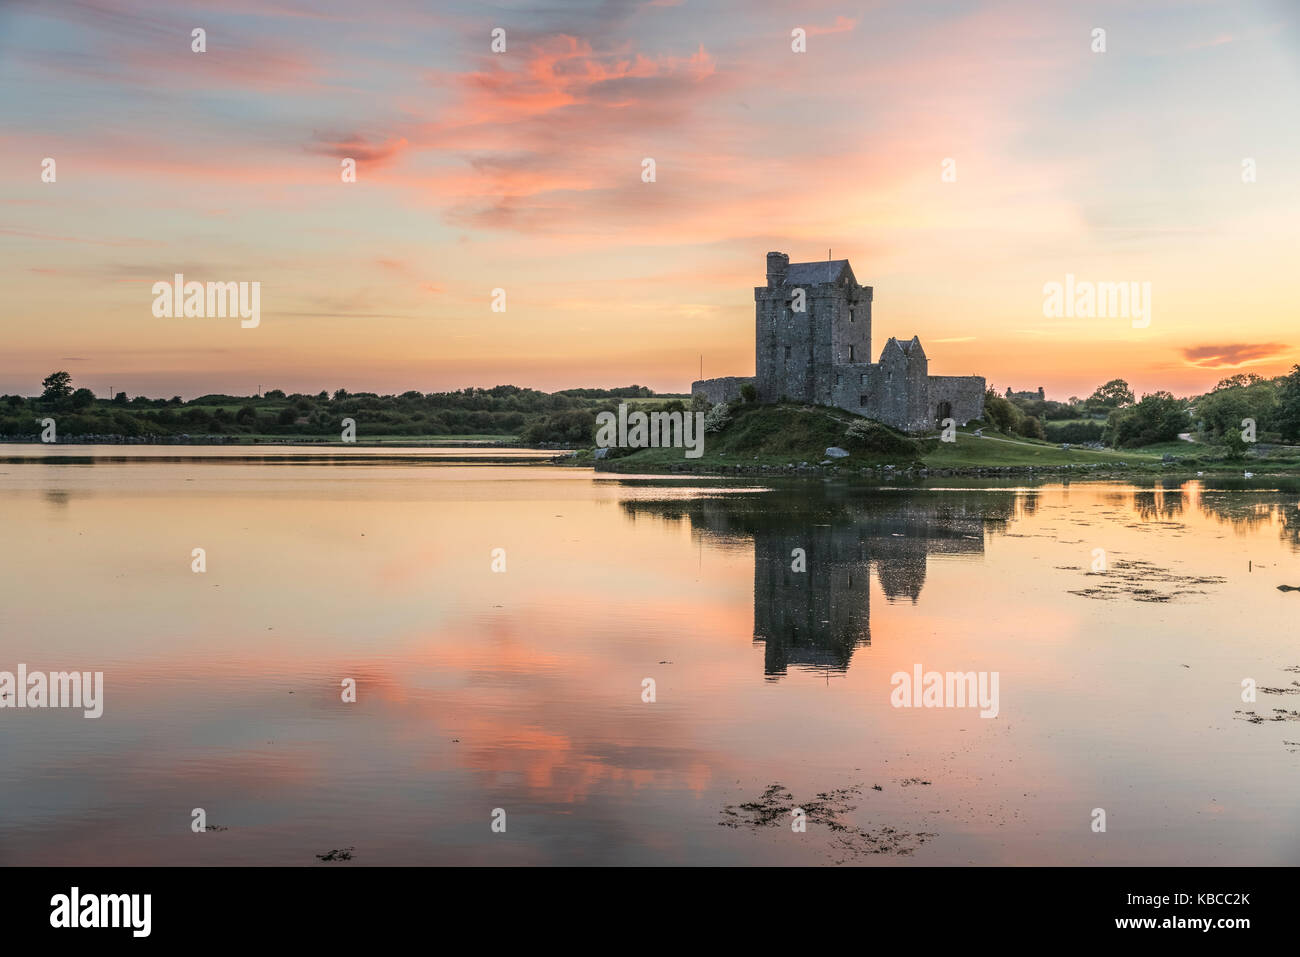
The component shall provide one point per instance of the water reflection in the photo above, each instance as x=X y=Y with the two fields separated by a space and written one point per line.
x=1245 y=514
x=814 y=554
x=523 y=690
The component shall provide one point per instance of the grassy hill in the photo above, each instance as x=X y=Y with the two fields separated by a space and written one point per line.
x=757 y=435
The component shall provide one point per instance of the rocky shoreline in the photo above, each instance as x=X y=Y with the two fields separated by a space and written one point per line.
x=914 y=472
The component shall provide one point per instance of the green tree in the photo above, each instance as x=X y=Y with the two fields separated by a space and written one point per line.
x=1159 y=417
x=57 y=386
x=1032 y=428
x=1234 y=443
x=1288 y=405
x=1001 y=413
x=1115 y=394
x=82 y=398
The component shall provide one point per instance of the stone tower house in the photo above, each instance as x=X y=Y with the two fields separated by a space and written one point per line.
x=812 y=334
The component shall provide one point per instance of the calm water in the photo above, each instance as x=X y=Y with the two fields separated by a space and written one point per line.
x=522 y=690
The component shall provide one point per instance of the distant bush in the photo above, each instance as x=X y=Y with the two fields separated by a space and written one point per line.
x=1159 y=417
x=566 y=428
x=1075 y=432
x=748 y=392
x=622 y=392
x=1001 y=414
x=1031 y=428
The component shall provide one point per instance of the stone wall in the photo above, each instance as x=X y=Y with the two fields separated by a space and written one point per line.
x=723 y=389
x=965 y=393
x=857 y=388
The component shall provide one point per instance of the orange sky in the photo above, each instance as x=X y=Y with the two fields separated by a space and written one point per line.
x=522 y=170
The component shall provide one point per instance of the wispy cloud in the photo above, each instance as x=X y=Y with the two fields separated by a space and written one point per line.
x=1235 y=355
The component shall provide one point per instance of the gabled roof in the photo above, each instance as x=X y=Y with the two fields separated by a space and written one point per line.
x=911 y=348
x=891 y=341
x=810 y=274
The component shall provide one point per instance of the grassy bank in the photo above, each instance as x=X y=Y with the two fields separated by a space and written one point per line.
x=763 y=438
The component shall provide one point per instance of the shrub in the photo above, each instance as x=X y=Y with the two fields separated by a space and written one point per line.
x=1075 y=432
x=748 y=392
x=717 y=418
x=1031 y=428
x=577 y=428
x=1001 y=414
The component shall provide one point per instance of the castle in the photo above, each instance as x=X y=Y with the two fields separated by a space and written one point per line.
x=812 y=337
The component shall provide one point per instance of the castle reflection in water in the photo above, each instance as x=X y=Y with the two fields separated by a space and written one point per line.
x=816 y=618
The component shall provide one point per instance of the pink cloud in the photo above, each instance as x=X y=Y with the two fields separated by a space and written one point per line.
x=841 y=25
x=1234 y=355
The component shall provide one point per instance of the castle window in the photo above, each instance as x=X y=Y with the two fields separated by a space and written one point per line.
x=850 y=353
x=862 y=400
x=864 y=380
x=850 y=313
x=837 y=381
x=787 y=352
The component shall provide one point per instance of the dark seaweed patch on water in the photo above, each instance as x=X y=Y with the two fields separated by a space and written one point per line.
x=827 y=809
x=1279 y=714
x=1134 y=579
x=338 y=854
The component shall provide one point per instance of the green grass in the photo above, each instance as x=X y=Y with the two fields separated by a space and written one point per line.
x=790 y=434
x=362 y=439
x=996 y=450
x=774 y=435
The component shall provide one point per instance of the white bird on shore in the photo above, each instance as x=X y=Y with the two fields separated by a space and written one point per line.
x=1249 y=474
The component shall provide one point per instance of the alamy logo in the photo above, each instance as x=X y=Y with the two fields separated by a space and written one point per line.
x=103 y=910
x=57 y=689
x=211 y=300
x=1100 y=300
x=657 y=430
x=951 y=689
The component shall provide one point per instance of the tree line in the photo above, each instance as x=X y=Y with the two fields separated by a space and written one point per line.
x=1239 y=406
x=503 y=410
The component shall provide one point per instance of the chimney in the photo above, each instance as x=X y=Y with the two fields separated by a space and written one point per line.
x=776 y=267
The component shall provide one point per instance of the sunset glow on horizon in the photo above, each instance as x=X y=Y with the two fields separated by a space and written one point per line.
x=522 y=170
